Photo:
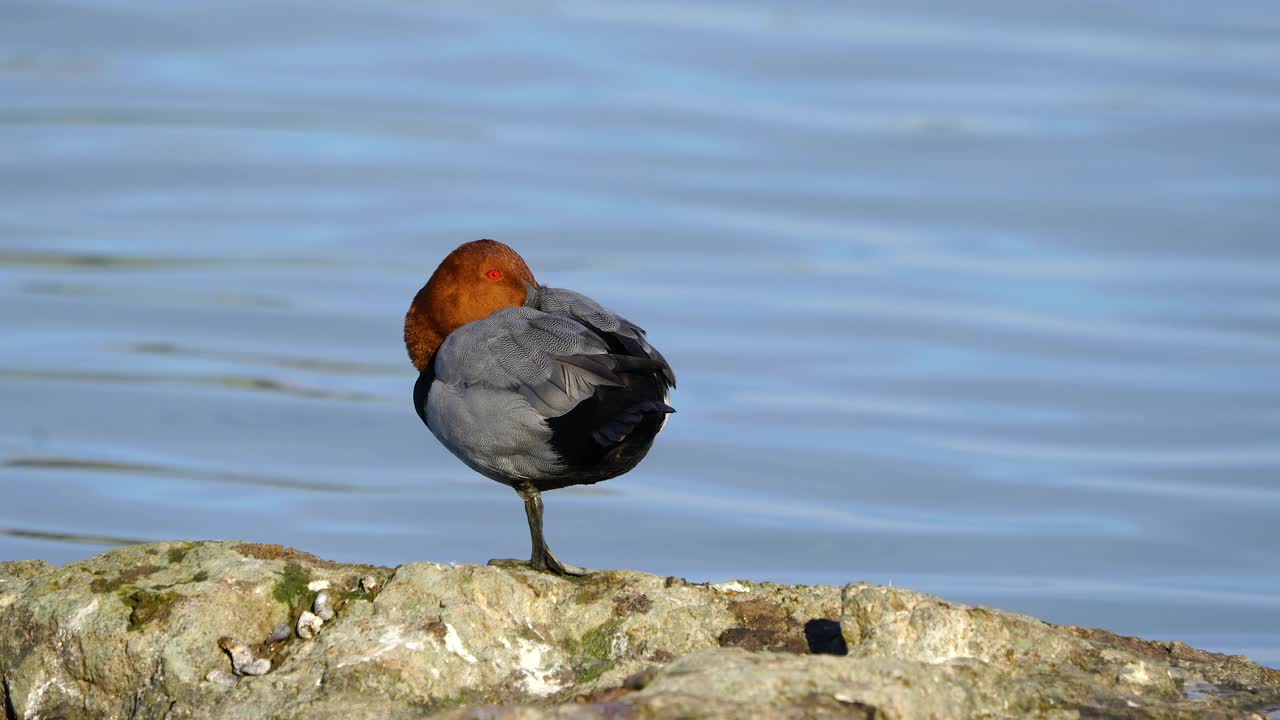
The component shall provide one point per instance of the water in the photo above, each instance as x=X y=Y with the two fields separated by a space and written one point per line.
x=977 y=300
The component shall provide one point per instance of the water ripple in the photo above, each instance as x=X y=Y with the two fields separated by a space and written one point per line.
x=175 y=473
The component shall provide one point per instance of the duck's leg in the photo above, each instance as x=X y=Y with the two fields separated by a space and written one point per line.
x=542 y=559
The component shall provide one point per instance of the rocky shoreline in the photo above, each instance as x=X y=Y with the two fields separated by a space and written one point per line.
x=238 y=630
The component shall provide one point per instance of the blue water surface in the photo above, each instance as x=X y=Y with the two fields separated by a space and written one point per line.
x=981 y=299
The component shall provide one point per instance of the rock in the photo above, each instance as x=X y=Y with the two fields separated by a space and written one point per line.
x=134 y=633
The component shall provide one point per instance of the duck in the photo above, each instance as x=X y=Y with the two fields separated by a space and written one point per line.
x=535 y=387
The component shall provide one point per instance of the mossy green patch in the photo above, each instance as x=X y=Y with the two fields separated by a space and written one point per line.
x=179 y=553
x=147 y=606
x=128 y=577
x=291 y=589
x=357 y=594
x=593 y=653
x=589 y=592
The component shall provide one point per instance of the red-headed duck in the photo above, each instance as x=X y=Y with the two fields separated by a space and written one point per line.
x=538 y=388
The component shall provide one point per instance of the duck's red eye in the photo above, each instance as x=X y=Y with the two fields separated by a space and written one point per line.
x=494 y=274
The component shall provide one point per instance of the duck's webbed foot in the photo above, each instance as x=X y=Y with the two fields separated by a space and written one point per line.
x=542 y=559
x=549 y=563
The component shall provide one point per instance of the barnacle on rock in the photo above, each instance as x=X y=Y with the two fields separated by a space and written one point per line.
x=222 y=677
x=308 y=625
x=242 y=660
x=280 y=634
x=321 y=606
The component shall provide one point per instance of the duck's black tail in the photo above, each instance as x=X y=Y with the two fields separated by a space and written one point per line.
x=606 y=434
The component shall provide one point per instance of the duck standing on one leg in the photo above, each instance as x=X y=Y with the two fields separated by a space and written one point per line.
x=535 y=387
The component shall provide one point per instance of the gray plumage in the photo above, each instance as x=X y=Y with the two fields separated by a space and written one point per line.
x=500 y=379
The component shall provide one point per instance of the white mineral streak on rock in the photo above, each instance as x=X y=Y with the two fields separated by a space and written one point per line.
x=732 y=586
x=1137 y=673
x=36 y=698
x=318 y=585
x=540 y=676
x=453 y=644
x=78 y=619
x=308 y=625
x=393 y=638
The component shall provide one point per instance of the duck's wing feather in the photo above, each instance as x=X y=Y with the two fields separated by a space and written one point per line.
x=622 y=336
x=499 y=380
x=553 y=362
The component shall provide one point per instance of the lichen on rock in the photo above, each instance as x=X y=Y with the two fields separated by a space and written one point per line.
x=128 y=635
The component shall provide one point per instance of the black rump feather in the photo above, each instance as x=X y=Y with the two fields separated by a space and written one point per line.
x=606 y=434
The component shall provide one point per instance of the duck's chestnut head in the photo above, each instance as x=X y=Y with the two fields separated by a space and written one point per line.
x=474 y=281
